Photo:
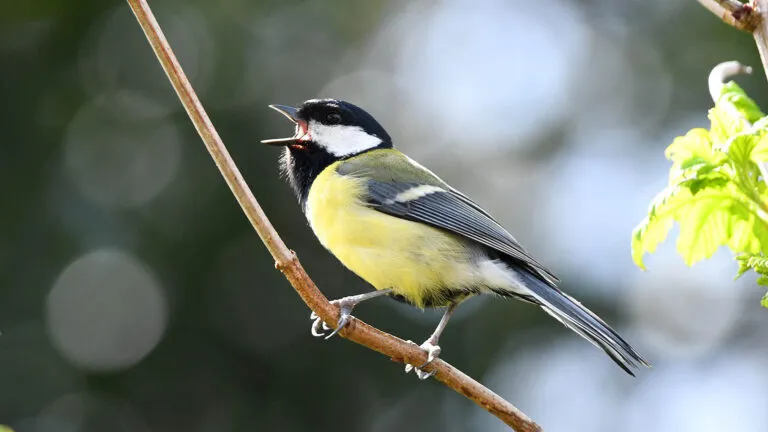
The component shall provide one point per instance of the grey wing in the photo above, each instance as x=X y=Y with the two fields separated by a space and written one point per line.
x=448 y=209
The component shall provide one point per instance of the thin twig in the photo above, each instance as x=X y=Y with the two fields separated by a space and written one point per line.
x=286 y=261
x=730 y=5
x=721 y=73
x=760 y=32
x=731 y=12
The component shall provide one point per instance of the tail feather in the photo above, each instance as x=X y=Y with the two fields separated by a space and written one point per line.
x=584 y=322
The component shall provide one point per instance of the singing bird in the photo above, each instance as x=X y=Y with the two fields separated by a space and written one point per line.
x=408 y=233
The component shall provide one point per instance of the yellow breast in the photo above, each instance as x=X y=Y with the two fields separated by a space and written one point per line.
x=415 y=260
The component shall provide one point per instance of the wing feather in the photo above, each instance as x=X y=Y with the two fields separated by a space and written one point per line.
x=450 y=210
x=389 y=172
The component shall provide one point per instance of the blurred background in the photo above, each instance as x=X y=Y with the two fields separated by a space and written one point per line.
x=135 y=296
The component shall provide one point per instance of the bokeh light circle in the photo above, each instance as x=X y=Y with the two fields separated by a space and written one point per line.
x=106 y=311
x=117 y=152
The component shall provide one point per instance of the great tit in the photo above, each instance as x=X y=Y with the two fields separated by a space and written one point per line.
x=409 y=234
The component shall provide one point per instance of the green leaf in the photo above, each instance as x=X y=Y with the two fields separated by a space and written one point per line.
x=693 y=156
x=764 y=301
x=756 y=262
x=695 y=145
x=704 y=227
x=743 y=266
x=696 y=185
x=711 y=171
x=760 y=152
x=748 y=233
x=694 y=162
x=727 y=121
x=647 y=237
x=716 y=215
x=655 y=227
x=733 y=94
x=5 y=429
x=761 y=125
x=740 y=148
x=733 y=113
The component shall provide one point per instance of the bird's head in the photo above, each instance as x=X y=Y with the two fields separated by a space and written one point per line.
x=335 y=127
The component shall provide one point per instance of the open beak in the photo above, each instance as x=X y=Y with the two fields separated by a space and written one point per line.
x=301 y=133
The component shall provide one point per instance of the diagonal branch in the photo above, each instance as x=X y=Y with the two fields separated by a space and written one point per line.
x=732 y=12
x=286 y=261
x=759 y=17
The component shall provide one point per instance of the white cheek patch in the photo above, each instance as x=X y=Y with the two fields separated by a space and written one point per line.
x=341 y=140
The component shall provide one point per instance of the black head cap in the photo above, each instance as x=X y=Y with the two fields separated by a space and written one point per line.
x=335 y=112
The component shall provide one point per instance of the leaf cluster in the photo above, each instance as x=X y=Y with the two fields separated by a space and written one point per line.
x=716 y=191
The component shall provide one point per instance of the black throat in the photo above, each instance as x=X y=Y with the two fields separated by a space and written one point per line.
x=303 y=165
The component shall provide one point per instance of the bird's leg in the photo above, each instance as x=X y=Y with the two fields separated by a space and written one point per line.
x=345 y=304
x=431 y=344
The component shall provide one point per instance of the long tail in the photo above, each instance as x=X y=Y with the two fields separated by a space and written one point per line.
x=583 y=321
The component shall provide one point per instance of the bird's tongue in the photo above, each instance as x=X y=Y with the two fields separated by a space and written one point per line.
x=302 y=131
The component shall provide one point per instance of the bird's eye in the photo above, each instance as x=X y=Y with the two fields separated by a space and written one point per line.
x=333 y=118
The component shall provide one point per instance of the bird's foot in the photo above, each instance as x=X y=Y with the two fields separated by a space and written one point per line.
x=433 y=352
x=319 y=327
